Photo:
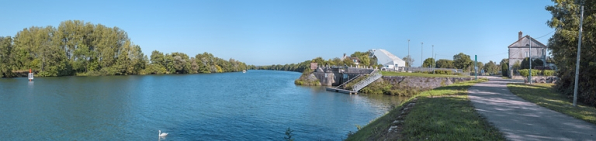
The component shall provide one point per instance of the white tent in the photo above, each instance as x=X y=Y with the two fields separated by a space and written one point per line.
x=388 y=60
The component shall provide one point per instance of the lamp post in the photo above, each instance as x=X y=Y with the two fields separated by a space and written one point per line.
x=431 y=64
x=421 y=52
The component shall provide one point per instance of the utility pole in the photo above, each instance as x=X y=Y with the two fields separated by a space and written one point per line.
x=579 y=47
x=421 y=52
x=409 y=57
x=432 y=63
x=530 y=59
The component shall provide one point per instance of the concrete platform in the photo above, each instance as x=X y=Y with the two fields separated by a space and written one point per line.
x=341 y=90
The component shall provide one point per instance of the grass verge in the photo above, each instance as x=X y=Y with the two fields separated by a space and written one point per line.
x=444 y=113
x=389 y=73
x=545 y=96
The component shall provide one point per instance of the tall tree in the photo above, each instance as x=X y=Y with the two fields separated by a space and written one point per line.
x=444 y=63
x=462 y=61
x=5 y=56
x=428 y=62
x=491 y=67
x=504 y=66
x=564 y=47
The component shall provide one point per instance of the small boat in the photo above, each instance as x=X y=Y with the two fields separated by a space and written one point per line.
x=243 y=71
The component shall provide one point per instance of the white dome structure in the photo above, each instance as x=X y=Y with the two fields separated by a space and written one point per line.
x=388 y=60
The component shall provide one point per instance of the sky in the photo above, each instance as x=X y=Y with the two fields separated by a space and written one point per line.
x=266 y=32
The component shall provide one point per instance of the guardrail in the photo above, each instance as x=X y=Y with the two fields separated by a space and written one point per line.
x=372 y=78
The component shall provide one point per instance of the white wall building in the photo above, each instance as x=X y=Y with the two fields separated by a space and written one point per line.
x=388 y=60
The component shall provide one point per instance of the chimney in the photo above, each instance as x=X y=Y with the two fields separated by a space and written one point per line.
x=519 y=36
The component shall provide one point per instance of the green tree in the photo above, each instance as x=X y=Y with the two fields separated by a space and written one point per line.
x=504 y=67
x=364 y=60
x=491 y=67
x=564 y=44
x=444 y=63
x=5 y=56
x=428 y=62
x=525 y=64
x=462 y=61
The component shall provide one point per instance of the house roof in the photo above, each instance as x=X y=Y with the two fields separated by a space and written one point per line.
x=524 y=41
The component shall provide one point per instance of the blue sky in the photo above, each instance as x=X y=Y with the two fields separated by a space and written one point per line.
x=265 y=32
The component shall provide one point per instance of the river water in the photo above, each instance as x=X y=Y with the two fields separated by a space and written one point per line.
x=257 y=105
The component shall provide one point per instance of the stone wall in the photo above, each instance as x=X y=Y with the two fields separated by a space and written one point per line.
x=423 y=83
x=327 y=78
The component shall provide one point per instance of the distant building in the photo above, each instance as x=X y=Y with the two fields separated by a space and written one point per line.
x=313 y=66
x=354 y=59
x=520 y=49
x=388 y=60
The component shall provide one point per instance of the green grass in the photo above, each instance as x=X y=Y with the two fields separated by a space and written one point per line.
x=545 y=96
x=444 y=113
x=389 y=73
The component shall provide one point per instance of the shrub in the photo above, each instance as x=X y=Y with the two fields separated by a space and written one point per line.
x=549 y=72
x=525 y=72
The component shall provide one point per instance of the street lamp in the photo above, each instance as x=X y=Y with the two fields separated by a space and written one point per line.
x=421 y=52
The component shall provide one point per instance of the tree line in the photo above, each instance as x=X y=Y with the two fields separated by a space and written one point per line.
x=363 y=57
x=79 y=48
x=564 y=46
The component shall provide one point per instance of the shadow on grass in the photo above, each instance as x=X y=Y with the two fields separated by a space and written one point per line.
x=447 y=118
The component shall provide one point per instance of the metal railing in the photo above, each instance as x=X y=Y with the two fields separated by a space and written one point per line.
x=371 y=78
x=350 y=80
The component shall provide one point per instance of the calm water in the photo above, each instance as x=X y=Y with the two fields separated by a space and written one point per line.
x=257 y=105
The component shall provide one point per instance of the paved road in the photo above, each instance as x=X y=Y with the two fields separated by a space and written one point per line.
x=519 y=119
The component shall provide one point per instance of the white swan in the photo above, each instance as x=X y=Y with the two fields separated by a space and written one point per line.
x=162 y=134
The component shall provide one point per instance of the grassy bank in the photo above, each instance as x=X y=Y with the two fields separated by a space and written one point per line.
x=389 y=73
x=444 y=113
x=545 y=96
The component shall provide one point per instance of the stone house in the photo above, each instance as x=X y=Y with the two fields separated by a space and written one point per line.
x=520 y=49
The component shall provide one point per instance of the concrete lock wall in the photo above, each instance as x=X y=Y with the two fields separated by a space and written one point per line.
x=423 y=82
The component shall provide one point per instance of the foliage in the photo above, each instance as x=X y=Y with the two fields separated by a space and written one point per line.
x=427 y=74
x=491 y=68
x=444 y=63
x=429 y=62
x=462 y=61
x=548 y=72
x=79 y=48
x=546 y=96
x=409 y=61
x=564 y=46
x=504 y=67
x=525 y=64
x=305 y=80
x=526 y=72
x=5 y=56
x=364 y=58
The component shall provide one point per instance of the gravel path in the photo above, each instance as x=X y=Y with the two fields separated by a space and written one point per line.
x=519 y=119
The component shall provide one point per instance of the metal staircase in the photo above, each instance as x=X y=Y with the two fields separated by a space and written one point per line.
x=373 y=76
x=344 y=84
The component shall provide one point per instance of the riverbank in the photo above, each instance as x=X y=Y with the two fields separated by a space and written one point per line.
x=443 y=113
